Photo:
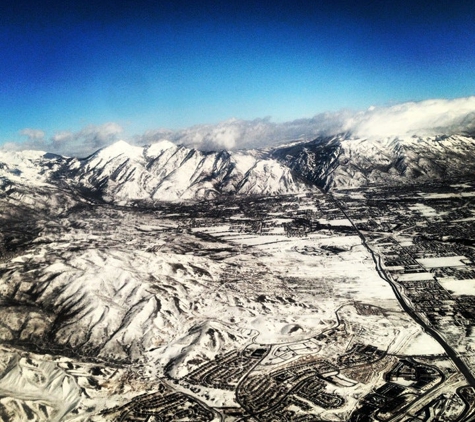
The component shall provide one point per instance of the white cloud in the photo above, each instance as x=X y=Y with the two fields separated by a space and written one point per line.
x=62 y=137
x=430 y=117
x=35 y=140
x=80 y=144
x=235 y=133
x=102 y=133
x=93 y=137
x=12 y=146
x=32 y=134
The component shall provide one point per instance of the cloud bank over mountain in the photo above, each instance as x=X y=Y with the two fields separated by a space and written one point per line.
x=424 y=118
x=80 y=143
x=257 y=133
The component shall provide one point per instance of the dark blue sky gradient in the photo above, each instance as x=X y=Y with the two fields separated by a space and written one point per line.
x=151 y=64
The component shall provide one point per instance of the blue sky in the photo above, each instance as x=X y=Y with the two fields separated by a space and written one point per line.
x=149 y=64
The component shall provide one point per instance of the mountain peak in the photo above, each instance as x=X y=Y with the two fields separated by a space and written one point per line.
x=157 y=148
x=120 y=148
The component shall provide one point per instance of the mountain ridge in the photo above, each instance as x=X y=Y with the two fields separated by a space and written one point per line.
x=122 y=173
x=343 y=162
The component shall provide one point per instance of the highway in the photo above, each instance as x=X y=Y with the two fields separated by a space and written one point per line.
x=459 y=363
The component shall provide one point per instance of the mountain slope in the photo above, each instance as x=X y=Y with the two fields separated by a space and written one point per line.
x=342 y=161
x=167 y=172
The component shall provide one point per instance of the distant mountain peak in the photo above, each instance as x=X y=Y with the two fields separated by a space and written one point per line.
x=120 y=148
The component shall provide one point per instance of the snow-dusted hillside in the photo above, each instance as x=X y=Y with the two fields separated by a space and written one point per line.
x=32 y=168
x=29 y=178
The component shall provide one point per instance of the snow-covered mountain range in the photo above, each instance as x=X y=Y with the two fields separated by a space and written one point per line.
x=165 y=171
x=344 y=162
x=112 y=298
x=122 y=173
